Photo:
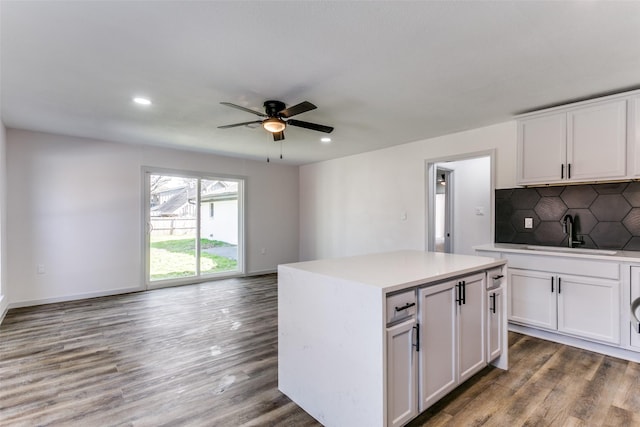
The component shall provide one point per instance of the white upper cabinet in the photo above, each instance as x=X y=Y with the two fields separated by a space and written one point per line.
x=633 y=129
x=542 y=149
x=590 y=141
x=597 y=142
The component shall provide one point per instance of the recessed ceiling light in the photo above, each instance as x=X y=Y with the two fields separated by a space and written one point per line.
x=142 y=101
x=325 y=139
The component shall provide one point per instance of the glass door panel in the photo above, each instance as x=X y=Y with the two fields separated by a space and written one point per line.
x=218 y=226
x=172 y=225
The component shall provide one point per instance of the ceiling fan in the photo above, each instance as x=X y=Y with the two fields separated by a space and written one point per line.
x=275 y=113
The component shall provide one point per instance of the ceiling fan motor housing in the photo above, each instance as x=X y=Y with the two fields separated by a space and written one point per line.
x=272 y=108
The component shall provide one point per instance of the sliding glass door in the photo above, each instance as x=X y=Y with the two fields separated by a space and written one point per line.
x=193 y=227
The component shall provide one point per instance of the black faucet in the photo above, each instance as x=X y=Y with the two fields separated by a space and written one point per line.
x=567 y=228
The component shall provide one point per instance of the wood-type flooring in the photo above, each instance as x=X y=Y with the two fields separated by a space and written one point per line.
x=206 y=355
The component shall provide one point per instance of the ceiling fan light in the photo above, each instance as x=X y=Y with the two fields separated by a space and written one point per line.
x=273 y=125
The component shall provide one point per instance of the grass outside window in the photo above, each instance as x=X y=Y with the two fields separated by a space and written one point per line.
x=175 y=256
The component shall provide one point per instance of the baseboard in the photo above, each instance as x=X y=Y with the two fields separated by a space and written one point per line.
x=30 y=303
x=262 y=272
x=4 y=307
x=620 y=353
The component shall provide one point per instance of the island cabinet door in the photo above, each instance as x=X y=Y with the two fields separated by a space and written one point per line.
x=494 y=324
x=437 y=355
x=471 y=326
x=402 y=377
x=532 y=298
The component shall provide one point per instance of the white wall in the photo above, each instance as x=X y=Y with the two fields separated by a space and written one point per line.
x=471 y=190
x=356 y=204
x=75 y=206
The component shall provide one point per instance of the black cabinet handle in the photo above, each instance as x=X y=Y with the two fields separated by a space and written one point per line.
x=404 y=307
x=459 y=293
x=493 y=303
x=562 y=171
x=464 y=292
x=569 y=171
x=417 y=329
x=559 y=285
x=552 y=284
x=498 y=277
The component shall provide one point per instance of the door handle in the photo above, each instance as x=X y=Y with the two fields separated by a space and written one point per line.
x=569 y=171
x=493 y=305
x=459 y=293
x=562 y=171
x=417 y=342
x=552 y=284
x=559 y=285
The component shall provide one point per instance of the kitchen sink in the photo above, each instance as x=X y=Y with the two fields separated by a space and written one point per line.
x=571 y=250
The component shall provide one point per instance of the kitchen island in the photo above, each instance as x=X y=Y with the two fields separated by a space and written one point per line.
x=373 y=340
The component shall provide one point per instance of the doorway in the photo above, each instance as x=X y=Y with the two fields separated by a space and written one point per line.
x=443 y=210
x=193 y=227
x=460 y=193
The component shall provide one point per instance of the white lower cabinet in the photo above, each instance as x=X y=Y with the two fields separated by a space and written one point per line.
x=449 y=340
x=437 y=342
x=402 y=381
x=494 y=324
x=472 y=355
x=532 y=300
x=452 y=335
x=575 y=305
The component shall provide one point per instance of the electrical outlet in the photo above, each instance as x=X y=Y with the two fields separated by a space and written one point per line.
x=40 y=269
x=263 y=251
x=479 y=210
x=528 y=223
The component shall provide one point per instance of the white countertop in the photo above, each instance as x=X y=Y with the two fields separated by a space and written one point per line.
x=619 y=256
x=392 y=271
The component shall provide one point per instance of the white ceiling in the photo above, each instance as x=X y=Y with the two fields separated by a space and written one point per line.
x=382 y=73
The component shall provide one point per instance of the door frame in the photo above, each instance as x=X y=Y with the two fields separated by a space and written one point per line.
x=146 y=234
x=431 y=182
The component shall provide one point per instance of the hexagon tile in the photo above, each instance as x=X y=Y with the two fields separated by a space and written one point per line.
x=605 y=215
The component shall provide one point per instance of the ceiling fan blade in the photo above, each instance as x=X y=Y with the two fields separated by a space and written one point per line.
x=239 y=107
x=303 y=107
x=278 y=136
x=312 y=126
x=239 y=124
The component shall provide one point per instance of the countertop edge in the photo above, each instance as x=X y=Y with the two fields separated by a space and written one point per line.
x=387 y=285
x=620 y=256
x=442 y=277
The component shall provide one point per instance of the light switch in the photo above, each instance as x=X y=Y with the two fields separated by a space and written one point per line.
x=528 y=223
x=479 y=210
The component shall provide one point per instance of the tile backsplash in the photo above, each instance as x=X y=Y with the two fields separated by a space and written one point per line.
x=606 y=216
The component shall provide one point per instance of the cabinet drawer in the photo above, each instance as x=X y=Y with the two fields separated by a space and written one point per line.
x=401 y=306
x=495 y=278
